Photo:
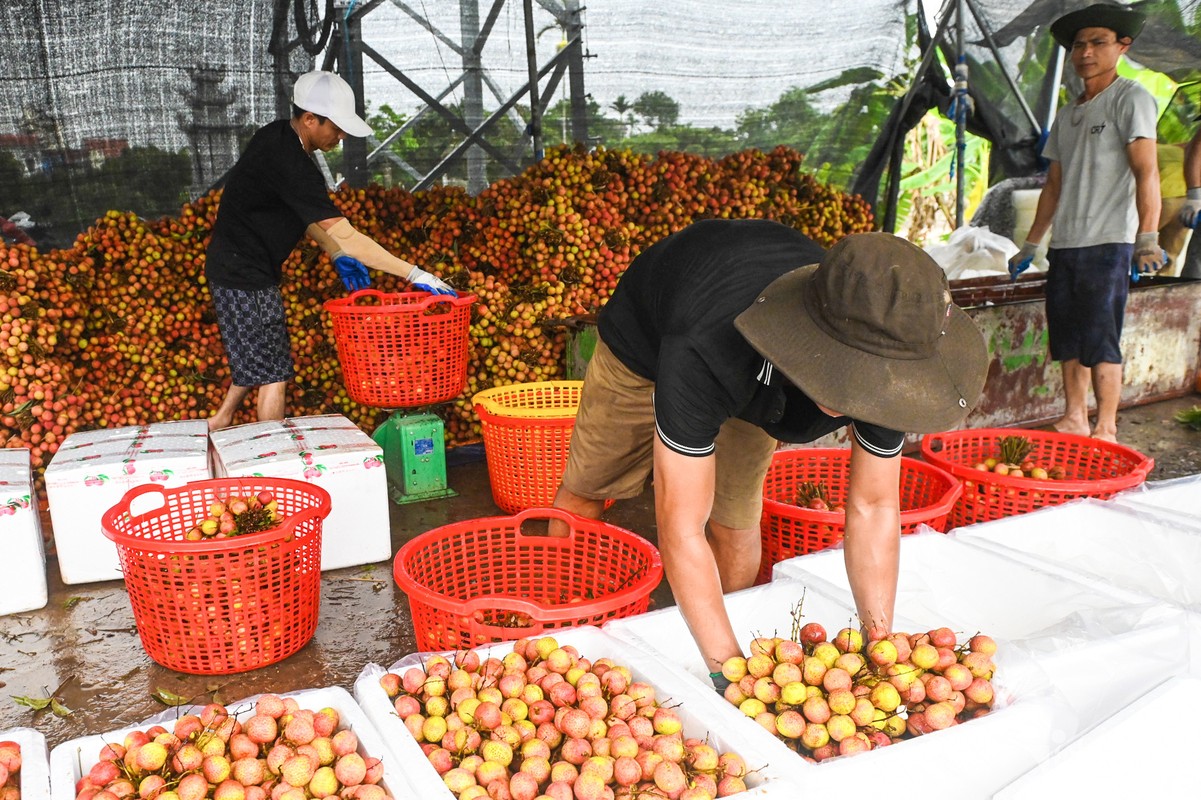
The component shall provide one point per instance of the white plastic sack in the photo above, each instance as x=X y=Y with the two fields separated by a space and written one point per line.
x=973 y=251
x=1177 y=500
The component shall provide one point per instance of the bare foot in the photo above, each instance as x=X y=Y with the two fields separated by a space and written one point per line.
x=1071 y=425
x=1106 y=436
x=216 y=424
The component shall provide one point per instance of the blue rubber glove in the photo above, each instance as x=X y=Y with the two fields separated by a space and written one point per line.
x=1022 y=260
x=1188 y=212
x=425 y=282
x=353 y=273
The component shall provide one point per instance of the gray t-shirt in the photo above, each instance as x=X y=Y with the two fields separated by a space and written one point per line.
x=1096 y=196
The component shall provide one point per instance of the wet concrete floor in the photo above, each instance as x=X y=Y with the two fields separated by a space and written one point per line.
x=83 y=647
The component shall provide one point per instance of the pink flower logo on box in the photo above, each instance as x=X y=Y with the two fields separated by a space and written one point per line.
x=306 y=456
x=95 y=480
x=371 y=462
x=161 y=475
x=313 y=472
x=129 y=467
x=7 y=510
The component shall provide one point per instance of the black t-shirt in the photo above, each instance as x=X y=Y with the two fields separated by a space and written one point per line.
x=671 y=320
x=274 y=192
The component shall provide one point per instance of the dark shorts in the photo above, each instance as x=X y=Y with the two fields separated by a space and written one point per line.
x=1086 y=300
x=255 y=335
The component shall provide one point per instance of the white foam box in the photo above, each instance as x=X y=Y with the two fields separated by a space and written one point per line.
x=331 y=452
x=1131 y=546
x=90 y=473
x=23 y=568
x=35 y=762
x=1178 y=500
x=71 y=760
x=1123 y=756
x=1099 y=646
x=1030 y=718
x=702 y=712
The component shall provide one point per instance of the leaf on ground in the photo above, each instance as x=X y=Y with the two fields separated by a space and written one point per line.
x=1190 y=417
x=59 y=709
x=169 y=698
x=36 y=703
x=73 y=601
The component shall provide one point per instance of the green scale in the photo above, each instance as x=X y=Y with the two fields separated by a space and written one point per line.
x=414 y=448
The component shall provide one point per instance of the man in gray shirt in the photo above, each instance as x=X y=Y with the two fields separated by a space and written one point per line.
x=1102 y=194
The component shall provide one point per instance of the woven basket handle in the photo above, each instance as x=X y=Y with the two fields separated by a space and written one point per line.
x=547 y=513
x=506 y=602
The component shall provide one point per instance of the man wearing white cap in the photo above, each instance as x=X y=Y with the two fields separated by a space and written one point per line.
x=273 y=195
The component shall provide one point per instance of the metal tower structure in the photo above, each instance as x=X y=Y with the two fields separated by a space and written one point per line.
x=336 y=33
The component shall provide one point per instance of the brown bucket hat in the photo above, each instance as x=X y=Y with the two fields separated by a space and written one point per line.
x=1122 y=20
x=871 y=333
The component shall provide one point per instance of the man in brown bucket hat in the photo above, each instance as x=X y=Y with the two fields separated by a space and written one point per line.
x=730 y=336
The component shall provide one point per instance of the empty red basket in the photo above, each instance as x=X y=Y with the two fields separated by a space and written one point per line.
x=1093 y=468
x=218 y=606
x=402 y=349
x=503 y=578
x=527 y=428
x=788 y=530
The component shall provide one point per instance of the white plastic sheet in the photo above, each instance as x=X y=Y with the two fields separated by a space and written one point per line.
x=1111 y=760
x=71 y=760
x=973 y=251
x=35 y=762
x=1177 y=500
x=703 y=713
x=1100 y=646
x=1030 y=720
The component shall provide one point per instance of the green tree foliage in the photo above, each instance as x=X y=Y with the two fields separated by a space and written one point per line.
x=657 y=109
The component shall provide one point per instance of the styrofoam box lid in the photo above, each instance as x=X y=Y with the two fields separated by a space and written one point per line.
x=1097 y=540
x=1030 y=718
x=110 y=460
x=193 y=428
x=1179 y=499
x=313 y=447
x=16 y=481
x=702 y=712
x=35 y=762
x=71 y=760
x=1102 y=763
x=292 y=426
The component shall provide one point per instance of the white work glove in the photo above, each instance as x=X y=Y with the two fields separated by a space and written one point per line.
x=426 y=282
x=1149 y=257
x=1022 y=260
x=1188 y=212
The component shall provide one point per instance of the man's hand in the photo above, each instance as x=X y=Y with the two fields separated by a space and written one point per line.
x=424 y=281
x=1188 y=212
x=1149 y=257
x=1022 y=260
x=353 y=273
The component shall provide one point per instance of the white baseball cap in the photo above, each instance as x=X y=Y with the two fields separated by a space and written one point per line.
x=327 y=95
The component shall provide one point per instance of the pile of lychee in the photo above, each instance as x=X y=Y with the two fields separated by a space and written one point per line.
x=545 y=722
x=10 y=771
x=845 y=696
x=281 y=752
x=237 y=515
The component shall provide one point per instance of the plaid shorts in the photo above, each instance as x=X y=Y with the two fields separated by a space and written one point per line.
x=255 y=335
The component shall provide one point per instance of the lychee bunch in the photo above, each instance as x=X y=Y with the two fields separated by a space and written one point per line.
x=234 y=516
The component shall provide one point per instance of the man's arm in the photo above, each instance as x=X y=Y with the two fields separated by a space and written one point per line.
x=684 y=488
x=872 y=543
x=356 y=245
x=1144 y=164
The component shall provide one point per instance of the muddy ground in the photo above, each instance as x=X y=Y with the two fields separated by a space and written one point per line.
x=83 y=647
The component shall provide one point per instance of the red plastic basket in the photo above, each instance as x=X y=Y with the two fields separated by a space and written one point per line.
x=788 y=530
x=1093 y=469
x=527 y=428
x=401 y=350
x=502 y=578
x=218 y=606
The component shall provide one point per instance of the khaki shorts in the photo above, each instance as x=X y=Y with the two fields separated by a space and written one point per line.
x=611 y=451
